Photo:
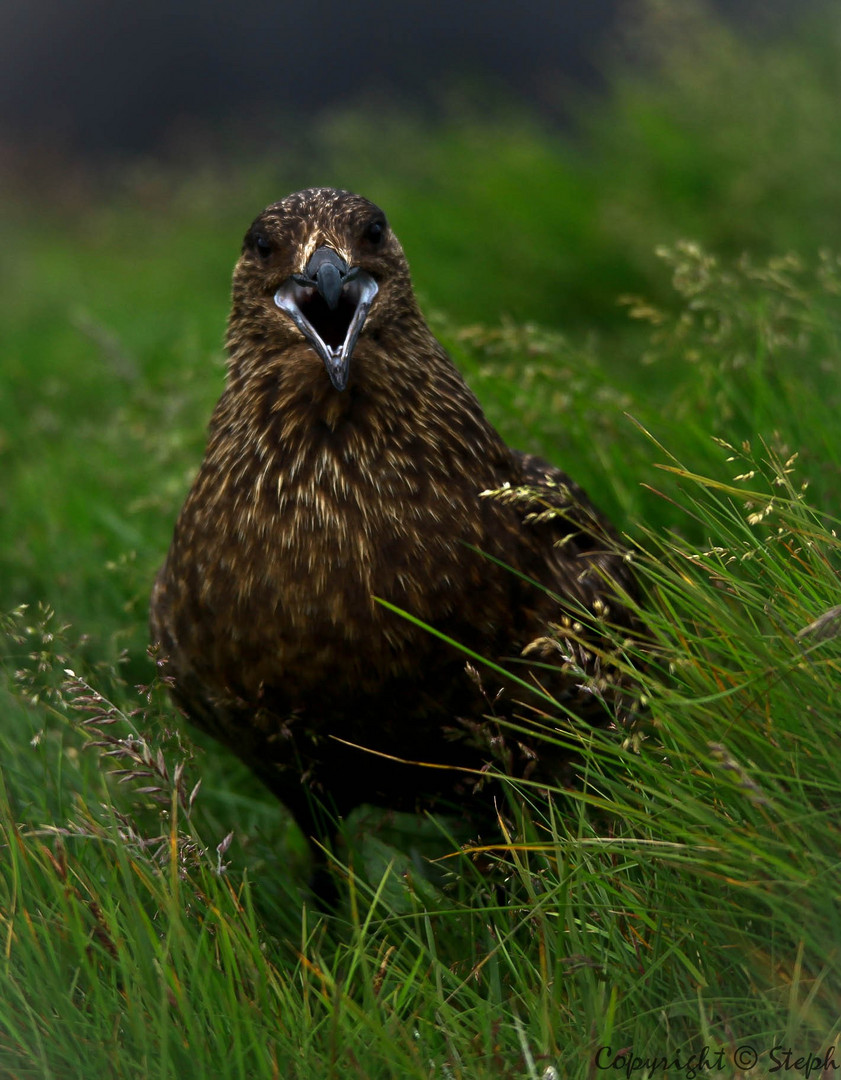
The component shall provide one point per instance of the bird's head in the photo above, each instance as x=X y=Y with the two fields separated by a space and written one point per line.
x=320 y=267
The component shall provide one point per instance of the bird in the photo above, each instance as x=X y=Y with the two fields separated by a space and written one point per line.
x=359 y=539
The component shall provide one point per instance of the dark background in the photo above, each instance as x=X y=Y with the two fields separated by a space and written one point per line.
x=94 y=77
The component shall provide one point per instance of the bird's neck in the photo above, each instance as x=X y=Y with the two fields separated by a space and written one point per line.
x=405 y=403
x=329 y=499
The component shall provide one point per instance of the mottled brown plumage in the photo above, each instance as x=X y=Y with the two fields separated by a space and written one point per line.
x=337 y=473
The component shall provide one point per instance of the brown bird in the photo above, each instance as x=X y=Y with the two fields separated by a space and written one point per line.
x=348 y=463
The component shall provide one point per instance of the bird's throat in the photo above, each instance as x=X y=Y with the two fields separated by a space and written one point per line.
x=335 y=411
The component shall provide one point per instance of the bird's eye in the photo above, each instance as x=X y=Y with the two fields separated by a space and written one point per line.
x=262 y=246
x=374 y=231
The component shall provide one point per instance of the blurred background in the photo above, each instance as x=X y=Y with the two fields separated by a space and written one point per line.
x=534 y=163
x=102 y=78
x=576 y=137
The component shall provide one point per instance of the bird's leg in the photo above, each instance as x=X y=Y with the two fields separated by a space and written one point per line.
x=322 y=882
x=321 y=829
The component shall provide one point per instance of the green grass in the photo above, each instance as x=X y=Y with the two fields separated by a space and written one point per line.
x=687 y=896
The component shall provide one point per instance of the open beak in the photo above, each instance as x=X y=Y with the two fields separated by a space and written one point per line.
x=329 y=303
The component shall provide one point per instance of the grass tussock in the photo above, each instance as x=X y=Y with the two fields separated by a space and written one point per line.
x=684 y=896
x=682 y=899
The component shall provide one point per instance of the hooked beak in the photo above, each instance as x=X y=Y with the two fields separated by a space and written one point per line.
x=329 y=303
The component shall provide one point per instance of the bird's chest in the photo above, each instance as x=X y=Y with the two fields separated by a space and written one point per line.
x=309 y=545
x=287 y=547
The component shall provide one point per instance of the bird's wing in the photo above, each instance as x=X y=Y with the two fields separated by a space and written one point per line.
x=590 y=575
x=559 y=519
x=560 y=493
